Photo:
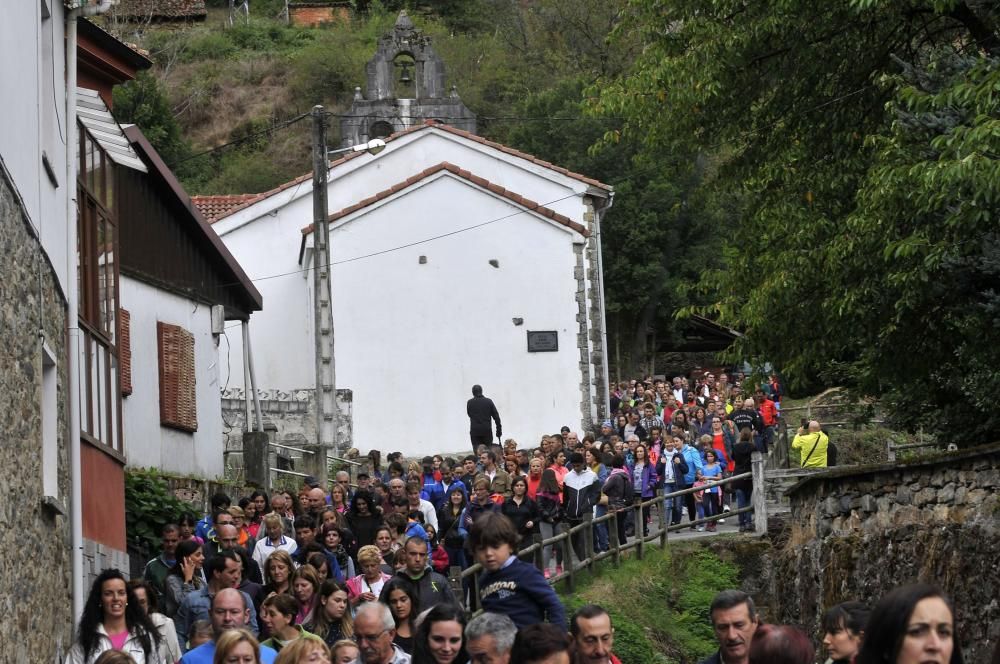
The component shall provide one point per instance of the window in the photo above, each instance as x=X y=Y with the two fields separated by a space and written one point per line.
x=97 y=281
x=50 y=424
x=178 y=400
x=125 y=351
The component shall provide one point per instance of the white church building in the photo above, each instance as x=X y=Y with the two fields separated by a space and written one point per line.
x=456 y=261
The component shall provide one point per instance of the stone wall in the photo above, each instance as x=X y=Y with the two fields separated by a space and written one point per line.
x=292 y=415
x=35 y=568
x=855 y=533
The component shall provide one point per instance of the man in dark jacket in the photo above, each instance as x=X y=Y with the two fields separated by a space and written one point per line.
x=429 y=587
x=581 y=491
x=480 y=411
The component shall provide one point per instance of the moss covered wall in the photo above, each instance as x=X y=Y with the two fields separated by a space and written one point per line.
x=857 y=533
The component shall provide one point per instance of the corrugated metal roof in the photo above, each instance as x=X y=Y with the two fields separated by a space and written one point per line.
x=102 y=126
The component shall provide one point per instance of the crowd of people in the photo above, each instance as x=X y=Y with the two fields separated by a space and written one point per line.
x=357 y=573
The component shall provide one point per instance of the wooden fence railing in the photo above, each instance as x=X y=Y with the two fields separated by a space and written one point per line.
x=460 y=579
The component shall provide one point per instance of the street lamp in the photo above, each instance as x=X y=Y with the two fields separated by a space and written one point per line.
x=327 y=413
x=372 y=147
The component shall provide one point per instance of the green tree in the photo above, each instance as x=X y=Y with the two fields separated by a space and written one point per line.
x=143 y=102
x=863 y=183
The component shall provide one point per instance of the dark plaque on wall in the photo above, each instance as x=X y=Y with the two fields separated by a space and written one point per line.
x=543 y=342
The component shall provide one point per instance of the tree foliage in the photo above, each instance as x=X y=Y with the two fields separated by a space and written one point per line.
x=861 y=137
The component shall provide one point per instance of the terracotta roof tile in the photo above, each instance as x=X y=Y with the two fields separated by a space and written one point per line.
x=465 y=175
x=214 y=208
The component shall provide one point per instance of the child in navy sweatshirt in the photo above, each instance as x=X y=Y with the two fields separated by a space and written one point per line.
x=511 y=586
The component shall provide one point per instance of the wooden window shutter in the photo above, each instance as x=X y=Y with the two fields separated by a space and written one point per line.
x=178 y=403
x=125 y=351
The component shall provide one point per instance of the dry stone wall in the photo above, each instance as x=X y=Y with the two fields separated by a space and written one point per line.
x=855 y=533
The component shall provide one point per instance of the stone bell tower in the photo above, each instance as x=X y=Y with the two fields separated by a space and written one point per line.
x=405 y=86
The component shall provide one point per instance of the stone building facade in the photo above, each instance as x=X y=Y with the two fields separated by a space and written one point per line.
x=35 y=569
x=406 y=85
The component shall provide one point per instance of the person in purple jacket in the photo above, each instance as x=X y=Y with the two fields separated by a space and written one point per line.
x=509 y=585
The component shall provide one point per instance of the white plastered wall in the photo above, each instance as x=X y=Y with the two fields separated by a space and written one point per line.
x=147 y=443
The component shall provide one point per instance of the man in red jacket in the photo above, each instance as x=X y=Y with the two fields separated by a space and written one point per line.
x=769 y=413
x=591 y=629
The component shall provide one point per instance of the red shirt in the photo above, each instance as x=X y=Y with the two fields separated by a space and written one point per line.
x=768 y=412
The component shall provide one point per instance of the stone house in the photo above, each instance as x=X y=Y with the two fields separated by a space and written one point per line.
x=456 y=261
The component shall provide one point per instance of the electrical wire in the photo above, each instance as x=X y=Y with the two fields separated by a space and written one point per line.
x=631 y=176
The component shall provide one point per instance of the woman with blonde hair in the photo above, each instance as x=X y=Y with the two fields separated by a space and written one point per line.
x=278 y=569
x=237 y=646
x=365 y=587
x=344 y=651
x=304 y=651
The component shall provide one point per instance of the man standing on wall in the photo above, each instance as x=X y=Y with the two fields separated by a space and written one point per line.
x=480 y=411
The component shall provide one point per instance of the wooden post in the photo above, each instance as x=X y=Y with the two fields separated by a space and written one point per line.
x=455 y=581
x=588 y=545
x=890 y=451
x=613 y=538
x=639 y=525
x=568 y=563
x=474 y=594
x=759 y=498
x=538 y=557
x=663 y=523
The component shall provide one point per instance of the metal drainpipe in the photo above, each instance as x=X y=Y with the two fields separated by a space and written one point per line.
x=73 y=305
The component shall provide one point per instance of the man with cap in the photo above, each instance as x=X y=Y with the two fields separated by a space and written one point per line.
x=606 y=432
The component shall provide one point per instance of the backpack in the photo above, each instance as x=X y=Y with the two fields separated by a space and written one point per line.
x=831 y=454
x=628 y=495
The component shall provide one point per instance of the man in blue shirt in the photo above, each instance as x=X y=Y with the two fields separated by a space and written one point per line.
x=230 y=610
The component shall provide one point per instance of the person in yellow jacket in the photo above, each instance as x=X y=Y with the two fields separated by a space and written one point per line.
x=812 y=446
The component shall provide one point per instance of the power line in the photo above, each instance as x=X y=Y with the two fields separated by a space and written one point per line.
x=631 y=176
x=243 y=139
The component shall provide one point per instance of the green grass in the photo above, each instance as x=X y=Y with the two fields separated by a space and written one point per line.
x=659 y=605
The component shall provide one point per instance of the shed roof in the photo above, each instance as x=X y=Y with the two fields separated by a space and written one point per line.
x=514 y=197
x=251 y=199
x=235 y=281
x=102 y=126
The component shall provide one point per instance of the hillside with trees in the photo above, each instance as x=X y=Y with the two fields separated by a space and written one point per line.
x=822 y=178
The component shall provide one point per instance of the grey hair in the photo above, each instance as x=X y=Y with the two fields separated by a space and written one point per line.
x=497 y=625
x=380 y=609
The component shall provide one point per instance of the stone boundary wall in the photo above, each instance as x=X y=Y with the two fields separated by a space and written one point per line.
x=855 y=533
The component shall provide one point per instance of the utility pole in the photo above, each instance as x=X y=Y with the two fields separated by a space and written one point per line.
x=327 y=415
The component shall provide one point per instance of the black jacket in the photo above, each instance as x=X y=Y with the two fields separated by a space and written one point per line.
x=481 y=410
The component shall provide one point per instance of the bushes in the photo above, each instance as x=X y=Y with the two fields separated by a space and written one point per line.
x=149 y=505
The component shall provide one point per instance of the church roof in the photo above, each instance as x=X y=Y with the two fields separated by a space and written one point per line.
x=537 y=208
x=251 y=199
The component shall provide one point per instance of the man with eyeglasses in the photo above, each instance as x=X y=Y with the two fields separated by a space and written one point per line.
x=374 y=630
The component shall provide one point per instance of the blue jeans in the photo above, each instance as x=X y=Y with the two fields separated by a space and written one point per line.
x=672 y=507
x=743 y=500
x=601 y=530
